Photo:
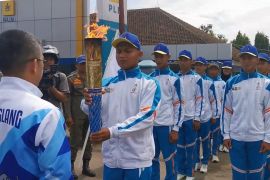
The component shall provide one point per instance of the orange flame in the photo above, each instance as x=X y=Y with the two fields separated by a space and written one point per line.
x=96 y=31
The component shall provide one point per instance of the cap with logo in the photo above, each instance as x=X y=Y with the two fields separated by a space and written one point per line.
x=201 y=60
x=185 y=53
x=227 y=64
x=128 y=38
x=161 y=48
x=249 y=49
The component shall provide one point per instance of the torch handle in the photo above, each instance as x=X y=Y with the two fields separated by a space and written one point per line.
x=95 y=110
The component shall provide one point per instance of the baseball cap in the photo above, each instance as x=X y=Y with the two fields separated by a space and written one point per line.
x=128 y=38
x=249 y=49
x=213 y=64
x=227 y=65
x=161 y=48
x=186 y=54
x=264 y=56
x=81 y=59
x=201 y=60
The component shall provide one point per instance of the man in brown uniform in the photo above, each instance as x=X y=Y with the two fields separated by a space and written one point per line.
x=79 y=121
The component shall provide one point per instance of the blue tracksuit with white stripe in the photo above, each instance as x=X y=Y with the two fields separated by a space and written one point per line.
x=215 y=128
x=267 y=167
x=168 y=118
x=33 y=143
x=192 y=110
x=246 y=121
x=209 y=108
x=129 y=105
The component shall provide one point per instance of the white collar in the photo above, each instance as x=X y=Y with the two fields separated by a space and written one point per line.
x=15 y=83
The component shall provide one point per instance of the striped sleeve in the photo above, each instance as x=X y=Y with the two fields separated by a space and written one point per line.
x=267 y=114
x=54 y=153
x=144 y=119
x=213 y=100
x=227 y=112
x=177 y=106
x=198 y=99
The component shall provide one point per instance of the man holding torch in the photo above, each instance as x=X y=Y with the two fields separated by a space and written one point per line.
x=129 y=104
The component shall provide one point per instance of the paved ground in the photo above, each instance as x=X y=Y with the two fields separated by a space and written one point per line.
x=219 y=171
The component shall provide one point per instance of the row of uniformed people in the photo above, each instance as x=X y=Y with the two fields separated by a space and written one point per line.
x=201 y=110
x=36 y=146
x=187 y=119
x=189 y=101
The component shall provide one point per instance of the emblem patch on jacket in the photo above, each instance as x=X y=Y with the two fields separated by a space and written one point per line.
x=133 y=90
x=108 y=90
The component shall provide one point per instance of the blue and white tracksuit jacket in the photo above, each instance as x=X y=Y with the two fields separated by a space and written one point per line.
x=168 y=118
x=246 y=121
x=169 y=113
x=192 y=96
x=215 y=128
x=220 y=89
x=209 y=105
x=192 y=110
x=33 y=143
x=129 y=109
x=246 y=111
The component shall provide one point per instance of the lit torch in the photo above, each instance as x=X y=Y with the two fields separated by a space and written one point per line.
x=93 y=42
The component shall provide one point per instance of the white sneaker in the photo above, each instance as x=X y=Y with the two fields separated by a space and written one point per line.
x=221 y=148
x=226 y=150
x=190 y=178
x=180 y=176
x=215 y=159
x=197 y=167
x=204 y=168
x=201 y=157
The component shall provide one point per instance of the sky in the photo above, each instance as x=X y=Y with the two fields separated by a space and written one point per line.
x=227 y=16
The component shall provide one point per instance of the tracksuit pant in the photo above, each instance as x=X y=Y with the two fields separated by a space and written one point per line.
x=267 y=167
x=162 y=144
x=247 y=162
x=204 y=134
x=215 y=129
x=127 y=174
x=185 y=149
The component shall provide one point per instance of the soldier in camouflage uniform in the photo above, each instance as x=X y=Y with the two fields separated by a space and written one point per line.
x=79 y=121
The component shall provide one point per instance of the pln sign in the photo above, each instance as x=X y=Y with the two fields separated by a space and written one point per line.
x=108 y=14
x=108 y=10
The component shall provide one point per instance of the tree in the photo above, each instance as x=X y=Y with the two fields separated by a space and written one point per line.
x=222 y=38
x=262 y=42
x=208 y=29
x=241 y=40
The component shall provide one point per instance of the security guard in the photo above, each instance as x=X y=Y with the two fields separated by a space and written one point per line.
x=80 y=123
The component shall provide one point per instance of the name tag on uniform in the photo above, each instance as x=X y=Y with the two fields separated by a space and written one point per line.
x=236 y=88
x=107 y=90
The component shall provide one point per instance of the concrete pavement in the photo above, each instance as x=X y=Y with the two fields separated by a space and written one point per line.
x=216 y=171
